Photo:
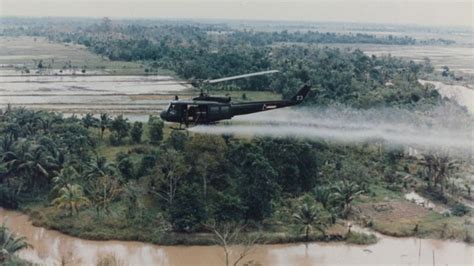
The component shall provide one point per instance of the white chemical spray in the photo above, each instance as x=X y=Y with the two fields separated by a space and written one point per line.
x=442 y=128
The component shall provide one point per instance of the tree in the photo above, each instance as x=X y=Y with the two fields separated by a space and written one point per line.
x=126 y=167
x=232 y=234
x=258 y=185
x=437 y=168
x=188 y=210
x=344 y=193
x=309 y=217
x=205 y=154
x=136 y=132
x=102 y=191
x=226 y=207
x=170 y=169
x=90 y=121
x=10 y=243
x=155 y=129
x=177 y=140
x=30 y=161
x=98 y=166
x=104 y=123
x=66 y=176
x=133 y=195
x=120 y=128
x=323 y=195
x=71 y=197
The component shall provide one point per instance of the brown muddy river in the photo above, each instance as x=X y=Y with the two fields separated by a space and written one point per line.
x=52 y=247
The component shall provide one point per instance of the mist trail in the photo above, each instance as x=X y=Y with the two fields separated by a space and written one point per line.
x=440 y=128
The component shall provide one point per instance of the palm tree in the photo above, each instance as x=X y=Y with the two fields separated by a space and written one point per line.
x=10 y=244
x=323 y=195
x=71 y=197
x=66 y=176
x=437 y=168
x=345 y=192
x=104 y=123
x=90 y=121
x=36 y=165
x=309 y=217
x=6 y=143
x=13 y=130
x=99 y=167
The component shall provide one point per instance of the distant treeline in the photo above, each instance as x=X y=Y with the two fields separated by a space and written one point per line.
x=338 y=75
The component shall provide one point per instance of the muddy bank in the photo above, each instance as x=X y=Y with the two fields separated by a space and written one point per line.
x=52 y=247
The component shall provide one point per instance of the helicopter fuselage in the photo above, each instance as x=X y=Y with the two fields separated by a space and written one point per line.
x=207 y=110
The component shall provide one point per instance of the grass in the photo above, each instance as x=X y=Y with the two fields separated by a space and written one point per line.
x=87 y=225
x=379 y=193
x=24 y=51
x=360 y=238
x=425 y=225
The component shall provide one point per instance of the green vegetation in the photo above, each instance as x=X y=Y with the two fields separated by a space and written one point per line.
x=360 y=238
x=54 y=168
x=104 y=178
x=9 y=245
x=308 y=217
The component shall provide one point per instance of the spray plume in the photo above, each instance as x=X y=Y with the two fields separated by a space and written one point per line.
x=440 y=128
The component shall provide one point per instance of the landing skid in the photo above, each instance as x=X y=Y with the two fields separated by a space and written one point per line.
x=189 y=125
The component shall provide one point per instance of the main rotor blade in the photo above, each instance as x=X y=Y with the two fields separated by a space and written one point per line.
x=241 y=76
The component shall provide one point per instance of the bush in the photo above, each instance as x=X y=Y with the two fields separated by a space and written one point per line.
x=114 y=139
x=120 y=128
x=136 y=132
x=8 y=198
x=155 y=130
x=459 y=209
x=361 y=238
x=187 y=211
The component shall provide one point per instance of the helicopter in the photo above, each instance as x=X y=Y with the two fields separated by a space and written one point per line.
x=207 y=109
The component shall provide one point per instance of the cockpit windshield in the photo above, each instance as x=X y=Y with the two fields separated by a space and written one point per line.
x=172 y=109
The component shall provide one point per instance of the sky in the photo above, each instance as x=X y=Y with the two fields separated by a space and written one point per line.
x=421 y=12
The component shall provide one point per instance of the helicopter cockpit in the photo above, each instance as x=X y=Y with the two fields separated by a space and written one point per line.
x=172 y=109
x=185 y=112
x=171 y=113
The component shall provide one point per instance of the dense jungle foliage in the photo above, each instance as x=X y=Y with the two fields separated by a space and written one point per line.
x=186 y=180
x=158 y=182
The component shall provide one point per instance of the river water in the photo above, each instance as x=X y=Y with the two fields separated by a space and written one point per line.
x=52 y=247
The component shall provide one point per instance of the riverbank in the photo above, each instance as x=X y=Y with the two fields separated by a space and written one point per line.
x=52 y=247
x=385 y=212
x=87 y=226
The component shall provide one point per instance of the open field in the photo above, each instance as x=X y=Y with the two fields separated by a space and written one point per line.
x=115 y=87
x=19 y=52
x=456 y=57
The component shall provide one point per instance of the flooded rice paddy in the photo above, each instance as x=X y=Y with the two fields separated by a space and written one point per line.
x=459 y=58
x=52 y=248
x=129 y=94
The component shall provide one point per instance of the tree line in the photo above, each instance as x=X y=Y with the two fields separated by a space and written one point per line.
x=190 y=179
